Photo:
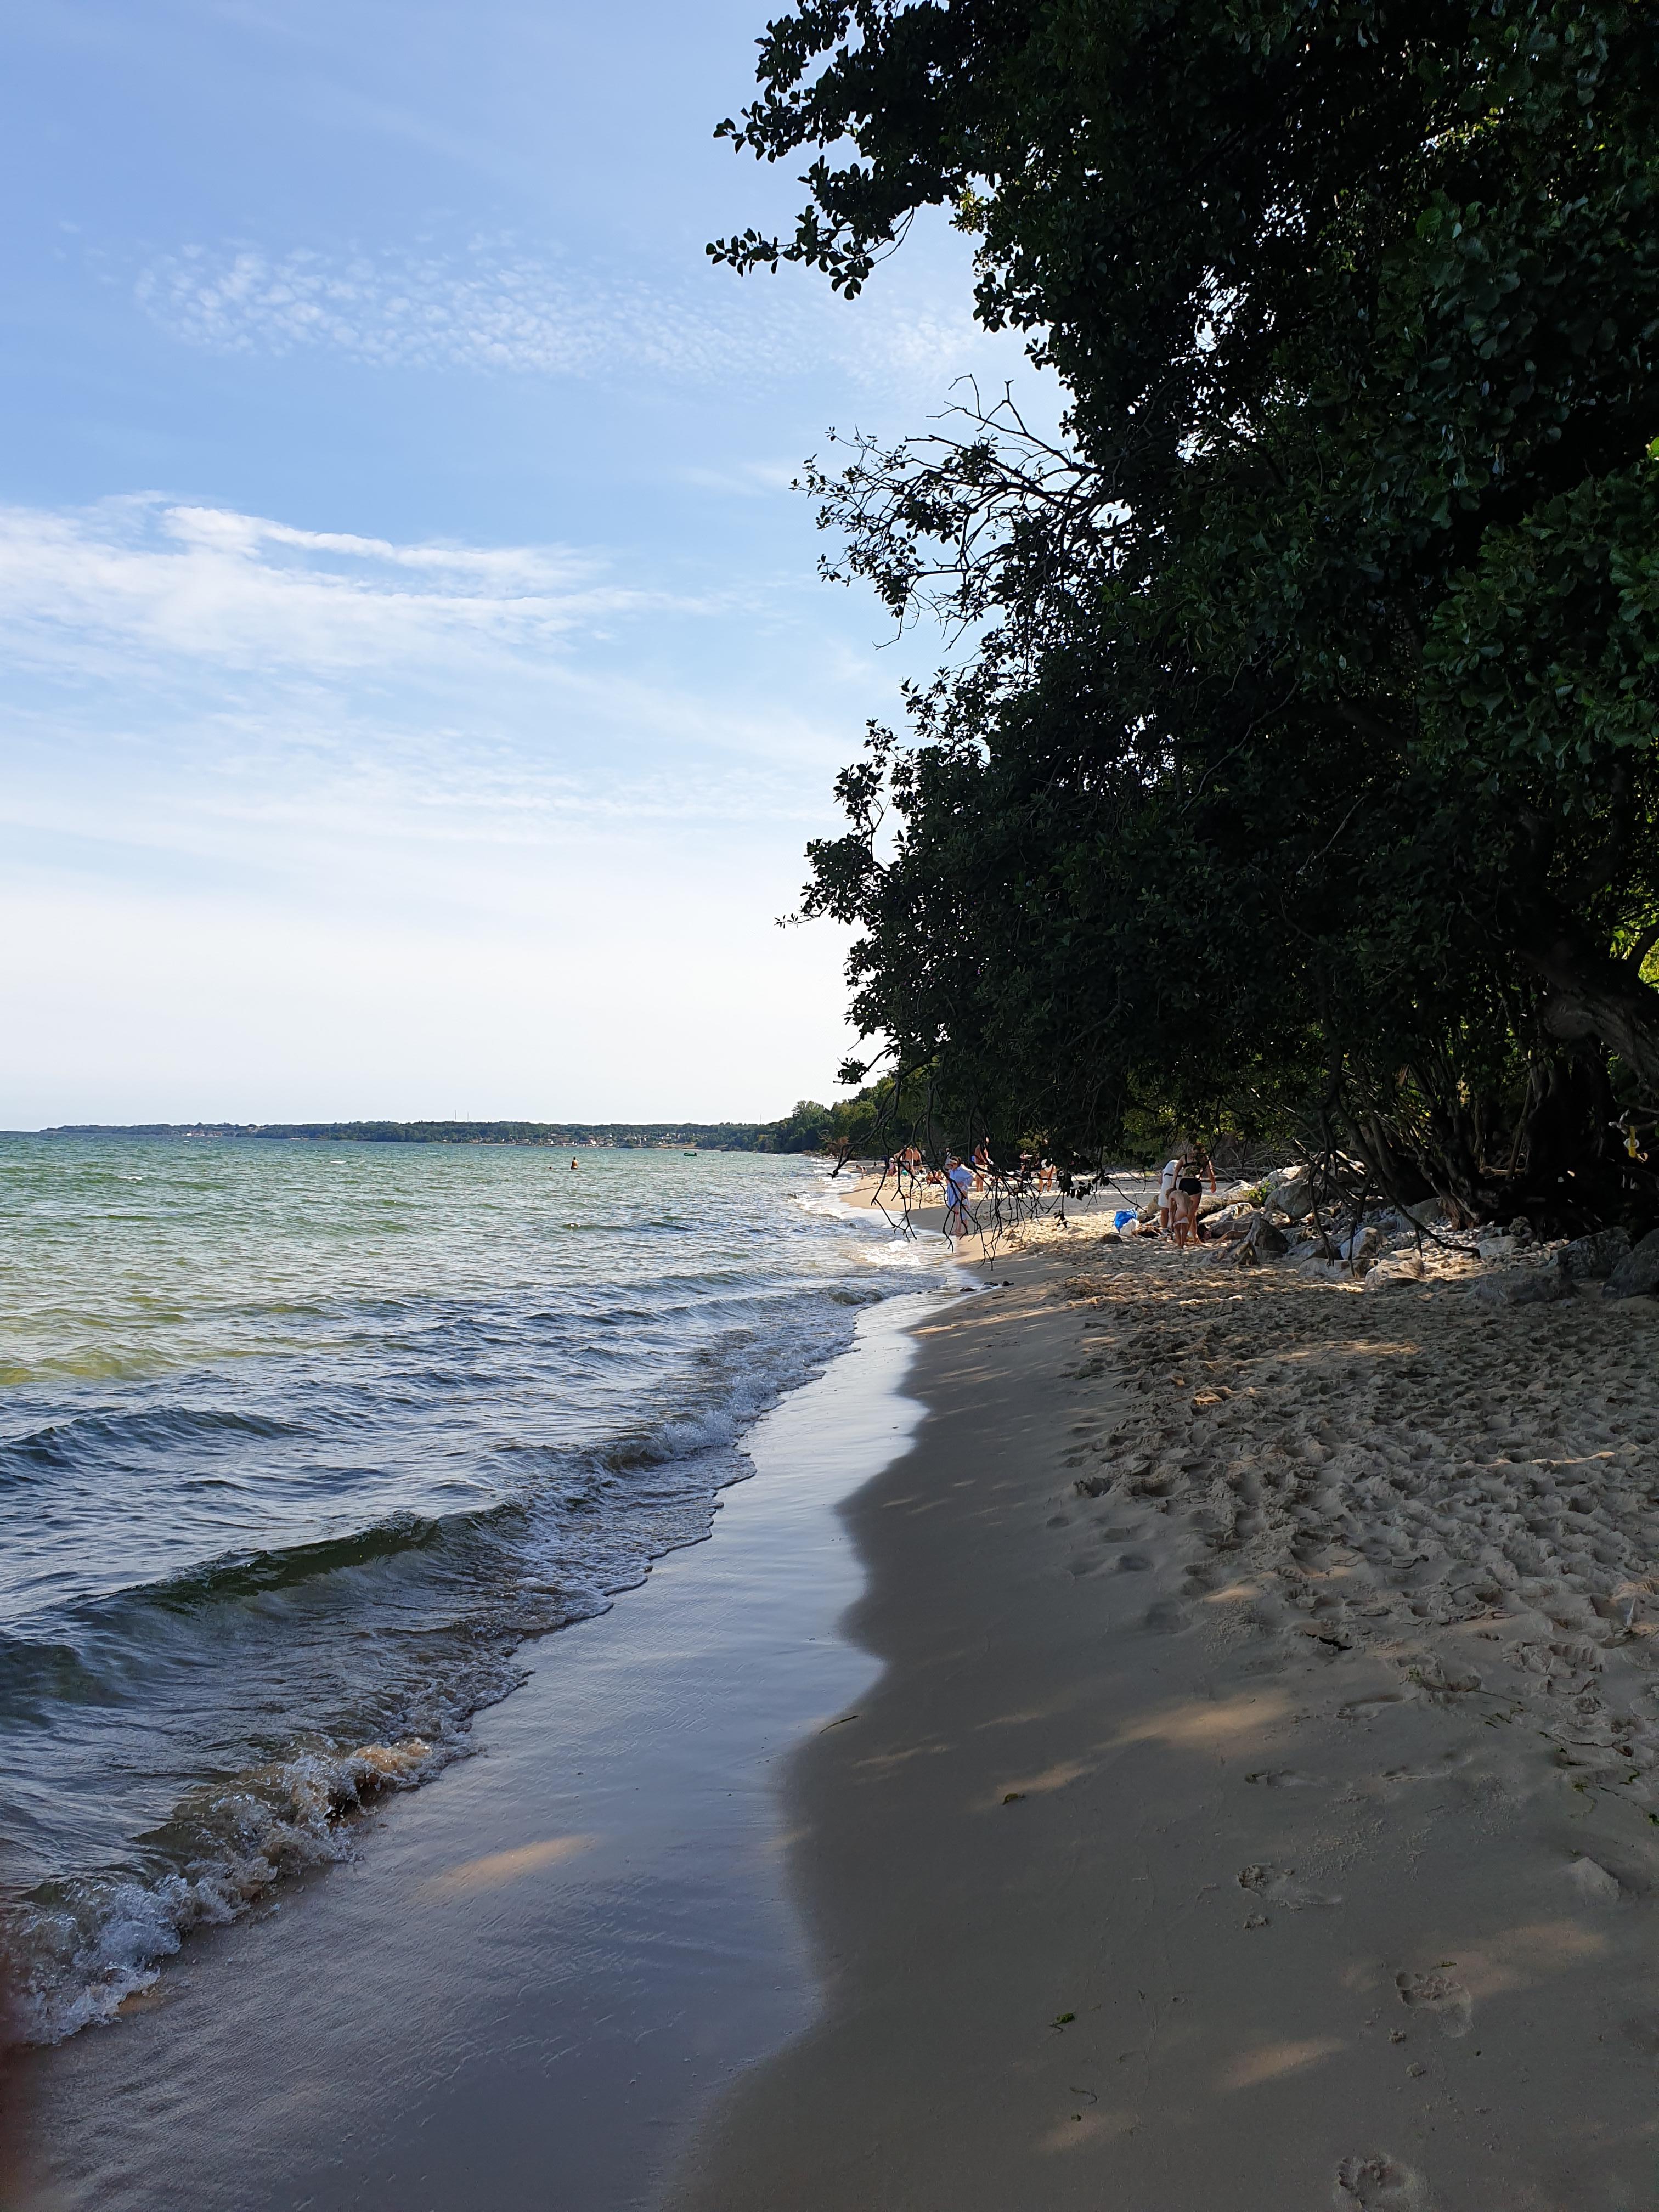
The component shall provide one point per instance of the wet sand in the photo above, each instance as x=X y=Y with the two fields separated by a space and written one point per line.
x=543 y=1966
x=1257 y=1808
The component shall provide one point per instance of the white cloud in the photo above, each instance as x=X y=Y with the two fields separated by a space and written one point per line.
x=336 y=817
x=197 y=687
x=490 y=307
x=742 y=479
x=202 y=583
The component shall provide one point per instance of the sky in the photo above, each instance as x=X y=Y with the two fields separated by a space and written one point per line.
x=415 y=685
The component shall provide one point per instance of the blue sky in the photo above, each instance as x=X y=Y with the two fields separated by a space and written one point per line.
x=418 y=688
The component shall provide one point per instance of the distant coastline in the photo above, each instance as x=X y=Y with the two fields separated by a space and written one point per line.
x=708 y=1136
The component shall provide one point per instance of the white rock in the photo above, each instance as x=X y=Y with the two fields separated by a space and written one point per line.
x=1394 y=1267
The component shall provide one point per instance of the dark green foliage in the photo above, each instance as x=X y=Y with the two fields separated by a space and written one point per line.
x=1305 y=765
x=807 y=1129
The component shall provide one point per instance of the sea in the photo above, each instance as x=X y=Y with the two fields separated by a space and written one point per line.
x=302 y=1442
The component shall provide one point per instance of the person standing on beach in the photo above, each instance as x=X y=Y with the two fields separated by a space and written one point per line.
x=959 y=1181
x=982 y=1166
x=1166 y=1191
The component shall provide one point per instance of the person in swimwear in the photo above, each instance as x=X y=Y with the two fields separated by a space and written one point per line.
x=1188 y=1197
x=1166 y=1192
x=958 y=1182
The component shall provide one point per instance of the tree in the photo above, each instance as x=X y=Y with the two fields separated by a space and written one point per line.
x=806 y=1128
x=1307 y=752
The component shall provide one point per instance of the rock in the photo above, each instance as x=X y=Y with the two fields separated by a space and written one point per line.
x=1394 y=1267
x=1524 y=1286
x=1359 y=1245
x=1260 y=1241
x=1111 y=1237
x=1426 y=1211
x=1292 y=1192
x=1636 y=1274
x=1592 y=1259
x=1493 y=1244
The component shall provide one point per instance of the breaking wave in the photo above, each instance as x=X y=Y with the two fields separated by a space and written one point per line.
x=268 y=1585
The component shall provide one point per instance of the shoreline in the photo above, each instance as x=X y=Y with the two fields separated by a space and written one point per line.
x=274 y=1546
x=1256 y=1805
x=549 y=1959
x=1215 y=1759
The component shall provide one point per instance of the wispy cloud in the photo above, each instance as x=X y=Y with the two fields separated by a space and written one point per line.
x=230 y=673
x=488 y=307
x=205 y=584
x=742 y=479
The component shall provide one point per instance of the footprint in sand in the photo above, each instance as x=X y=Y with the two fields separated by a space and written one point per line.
x=1381 y=2184
x=1285 y=1778
x=1448 y=2001
x=1373 y=1708
x=1167 y=1618
x=1594 y=1883
x=1449 y=1763
x=1278 y=1885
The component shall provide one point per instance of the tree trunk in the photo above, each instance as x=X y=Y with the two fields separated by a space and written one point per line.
x=1593 y=995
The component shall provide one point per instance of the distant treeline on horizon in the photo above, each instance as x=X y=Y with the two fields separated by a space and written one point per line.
x=708 y=1136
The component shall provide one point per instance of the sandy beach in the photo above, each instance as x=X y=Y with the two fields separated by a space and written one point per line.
x=1240 y=1793
x=1255 y=1808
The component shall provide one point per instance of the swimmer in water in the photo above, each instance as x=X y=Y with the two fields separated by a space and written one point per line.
x=573 y=1167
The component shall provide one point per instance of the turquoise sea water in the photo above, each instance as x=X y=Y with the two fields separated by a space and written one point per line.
x=300 y=1442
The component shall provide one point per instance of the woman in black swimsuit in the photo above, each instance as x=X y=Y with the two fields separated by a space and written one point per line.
x=1188 y=1191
